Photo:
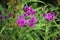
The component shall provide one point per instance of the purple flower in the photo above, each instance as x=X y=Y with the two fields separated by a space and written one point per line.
x=0 y=17
x=27 y=21
x=33 y=19
x=28 y=13
x=21 y=17
x=32 y=11
x=26 y=8
x=31 y=22
x=49 y=16
x=20 y=22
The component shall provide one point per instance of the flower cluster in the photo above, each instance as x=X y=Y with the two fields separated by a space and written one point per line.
x=49 y=16
x=30 y=21
x=22 y=20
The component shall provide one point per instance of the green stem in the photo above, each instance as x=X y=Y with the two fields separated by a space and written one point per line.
x=2 y=30
x=46 y=32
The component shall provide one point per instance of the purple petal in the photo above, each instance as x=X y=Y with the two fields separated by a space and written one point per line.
x=33 y=19
x=21 y=17
x=33 y=11
x=28 y=13
x=26 y=8
x=31 y=24
x=51 y=18
x=20 y=22
x=27 y=21
x=30 y=8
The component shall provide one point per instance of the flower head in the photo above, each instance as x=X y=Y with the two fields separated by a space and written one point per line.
x=32 y=11
x=31 y=22
x=49 y=16
x=27 y=21
x=20 y=22
x=33 y=19
x=28 y=13
x=26 y=8
x=29 y=10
